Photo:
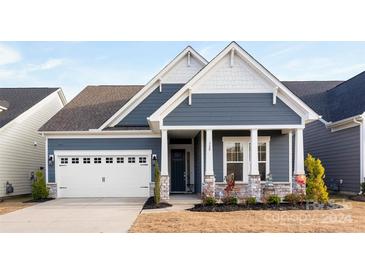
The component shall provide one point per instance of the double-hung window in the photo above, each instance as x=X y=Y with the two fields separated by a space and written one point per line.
x=237 y=157
x=234 y=160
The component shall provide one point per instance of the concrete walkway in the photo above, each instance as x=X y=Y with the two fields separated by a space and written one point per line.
x=179 y=202
x=75 y=215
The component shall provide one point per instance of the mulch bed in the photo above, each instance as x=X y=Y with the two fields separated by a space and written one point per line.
x=260 y=206
x=358 y=198
x=150 y=204
x=39 y=200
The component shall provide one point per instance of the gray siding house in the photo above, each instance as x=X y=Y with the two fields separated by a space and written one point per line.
x=338 y=137
x=200 y=120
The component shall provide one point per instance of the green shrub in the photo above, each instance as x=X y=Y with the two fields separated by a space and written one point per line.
x=157 y=190
x=274 y=200
x=230 y=200
x=294 y=198
x=39 y=188
x=316 y=189
x=363 y=188
x=251 y=201
x=209 y=201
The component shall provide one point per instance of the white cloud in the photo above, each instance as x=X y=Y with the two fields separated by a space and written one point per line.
x=49 y=64
x=8 y=55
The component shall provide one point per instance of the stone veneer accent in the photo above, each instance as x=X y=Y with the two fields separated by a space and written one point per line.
x=243 y=190
x=165 y=187
x=254 y=183
x=52 y=187
x=208 y=189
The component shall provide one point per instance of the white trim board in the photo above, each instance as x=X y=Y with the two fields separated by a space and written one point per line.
x=150 y=87
x=232 y=127
x=102 y=134
x=137 y=152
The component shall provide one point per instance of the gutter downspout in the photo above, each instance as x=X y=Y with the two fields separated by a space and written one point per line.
x=362 y=148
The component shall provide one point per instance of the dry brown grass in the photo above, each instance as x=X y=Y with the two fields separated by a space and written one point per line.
x=13 y=204
x=349 y=219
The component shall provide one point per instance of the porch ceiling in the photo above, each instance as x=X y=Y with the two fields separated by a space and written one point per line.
x=183 y=133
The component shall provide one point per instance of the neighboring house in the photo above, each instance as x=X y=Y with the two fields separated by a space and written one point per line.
x=338 y=137
x=22 y=148
x=201 y=120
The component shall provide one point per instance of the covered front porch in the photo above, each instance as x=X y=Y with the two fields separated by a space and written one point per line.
x=197 y=160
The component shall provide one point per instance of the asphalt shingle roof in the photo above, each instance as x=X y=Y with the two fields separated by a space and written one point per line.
x=91 y=108
x=348 y=99
x=314 y=94
x=19 y=100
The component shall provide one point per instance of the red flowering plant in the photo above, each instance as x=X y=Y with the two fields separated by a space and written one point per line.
x=229 y=194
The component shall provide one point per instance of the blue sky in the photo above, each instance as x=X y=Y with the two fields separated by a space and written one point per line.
x=74 y=65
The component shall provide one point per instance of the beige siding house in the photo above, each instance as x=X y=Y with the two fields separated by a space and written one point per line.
x=22 y=148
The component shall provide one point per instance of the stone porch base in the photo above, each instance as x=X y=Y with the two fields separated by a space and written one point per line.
x=244 y=190
x=165 y=187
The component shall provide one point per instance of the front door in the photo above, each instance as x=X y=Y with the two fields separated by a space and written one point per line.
x=178 y=170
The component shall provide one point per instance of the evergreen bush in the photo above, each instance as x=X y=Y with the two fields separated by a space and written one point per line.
x=157 y=190
x=316 y=189
x=39 y=188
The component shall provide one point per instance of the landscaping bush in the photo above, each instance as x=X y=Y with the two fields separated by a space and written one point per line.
x=363 y=188
x=251 y=201
x=230 y=200
x=274 y=200
x=316 y=189
x=294 y=198
x=209 y=201
x=39 y=188
x=157 y=190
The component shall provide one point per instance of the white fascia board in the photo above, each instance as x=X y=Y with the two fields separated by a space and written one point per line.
x=163 y=110
x=149 y=87
x=233 y=127
x=345 y=123
x=69 y=153
x=101 y=134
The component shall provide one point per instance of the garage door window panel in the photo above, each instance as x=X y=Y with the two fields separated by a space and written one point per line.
x=75 y=160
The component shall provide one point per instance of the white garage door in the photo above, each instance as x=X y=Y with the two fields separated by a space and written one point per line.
x=103 y=173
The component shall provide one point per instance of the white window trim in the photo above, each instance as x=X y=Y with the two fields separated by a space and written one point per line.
x=245 y=140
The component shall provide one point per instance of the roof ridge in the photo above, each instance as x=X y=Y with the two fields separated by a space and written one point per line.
x=346 y=81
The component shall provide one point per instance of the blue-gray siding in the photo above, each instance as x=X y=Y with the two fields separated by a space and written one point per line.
x=153 y=144
x=232 y=109
x=279 y=153
x=138 y=116
x=339 y=152
x=197 y=163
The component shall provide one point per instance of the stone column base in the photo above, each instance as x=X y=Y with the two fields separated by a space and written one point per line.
x=208 y=189
x=165 y=187
x=254 y=182
x=52 y=190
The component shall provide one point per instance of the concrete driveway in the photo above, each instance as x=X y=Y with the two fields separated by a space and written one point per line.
x=75 y=215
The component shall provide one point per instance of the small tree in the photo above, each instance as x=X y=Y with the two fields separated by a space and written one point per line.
x=157 y=189
x=316 y=188
x=39 y=188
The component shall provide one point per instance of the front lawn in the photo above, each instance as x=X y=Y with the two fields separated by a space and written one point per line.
x=14 y=203
x=350 y=218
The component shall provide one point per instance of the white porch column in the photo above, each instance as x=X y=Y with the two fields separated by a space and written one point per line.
x=208 y=189
x=299 y=153
x=209 y=153
x=164 y=153
x=254 y=170
x=164 y=178
x=254 y=179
